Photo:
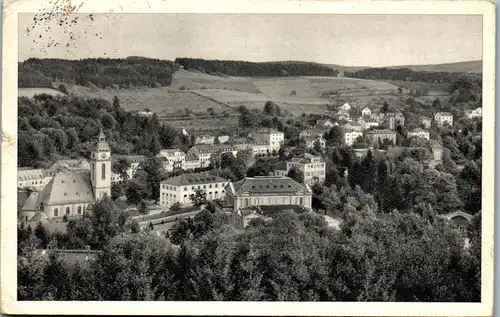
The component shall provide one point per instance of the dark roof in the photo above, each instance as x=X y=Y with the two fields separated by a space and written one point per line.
x=271 y=210
x=130 y=158
x=193 y=178
x=266 y=185
x=68 y=188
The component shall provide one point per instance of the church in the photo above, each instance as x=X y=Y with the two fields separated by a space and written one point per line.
x=72 y=193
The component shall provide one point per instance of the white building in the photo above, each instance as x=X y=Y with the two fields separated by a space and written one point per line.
x=353 y=126
x=260 y=148
x=312 y=168
x=476 y=113
x=179 y=188
x=419 y=133
x=312 y=140
x=370 y=123
x=175 y=159
x=134 y=160
x=443 y=117
x=345 y=107
x=203 y=153
x=426 y=122
x=274 y=137
x=366 y=112
x=351 y=136
x=323 y=124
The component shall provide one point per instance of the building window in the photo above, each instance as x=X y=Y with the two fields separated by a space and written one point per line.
x=56 y=212
x=67 y=210
x=103 y=171
x=79 y=210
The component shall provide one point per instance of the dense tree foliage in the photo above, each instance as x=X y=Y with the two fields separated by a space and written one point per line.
x=250 y=69
x=408 y=74
x=55 y=127
x=100 y=72
x=373 y=257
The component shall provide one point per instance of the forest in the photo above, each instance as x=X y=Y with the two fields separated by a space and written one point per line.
x=250 y=69
x=101 y=72
x=214 y=260
x=411 y=75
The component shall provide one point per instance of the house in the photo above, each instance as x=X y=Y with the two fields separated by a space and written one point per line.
x=366 y=112
x=266 y=191
x=209 y=139
x=380 y=135
x=426 y=122
x=313 y=132
x=443 y=118
x=419 y=133
x=134 y=160
x=476 y=113
x=368 y=123
x=394 y=119
x=175 y=159
x=312 y=168
x=353 y=126
x=323 y=124
x=345 y=107
x=33 y=178
x=179 y=188
x=260 y=148
x=351 y=136
x=145 y=113
x=312 y=140
x=74 y=192
x=274 y=137
x=204 y=152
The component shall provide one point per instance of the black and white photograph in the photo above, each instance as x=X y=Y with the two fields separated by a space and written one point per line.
x=250 y=157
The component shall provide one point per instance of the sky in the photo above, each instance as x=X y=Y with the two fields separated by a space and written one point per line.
x=349 y=40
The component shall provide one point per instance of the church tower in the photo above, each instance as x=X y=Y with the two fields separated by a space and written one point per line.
x=101 y=168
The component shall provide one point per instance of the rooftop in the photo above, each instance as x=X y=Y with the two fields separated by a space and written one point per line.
x=267 y=185
x=67 y=188
x=193 y=178
x=380 y=131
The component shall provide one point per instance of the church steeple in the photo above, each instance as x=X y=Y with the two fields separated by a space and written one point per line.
x=101 y=168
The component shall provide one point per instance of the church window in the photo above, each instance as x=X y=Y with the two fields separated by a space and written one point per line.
x=56 y=212
x=65 y=194
x=79 y=210
x=103 y=171
x=67 y=210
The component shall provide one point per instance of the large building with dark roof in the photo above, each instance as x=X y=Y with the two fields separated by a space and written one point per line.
x=180 y=188
x=266 y=191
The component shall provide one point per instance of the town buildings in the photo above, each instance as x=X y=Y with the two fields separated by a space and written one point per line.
x=73 y=192
x=419 y=133
x=426 y=122
x=476 y=113
x=180 y=188
x=323 y=124
x=345 y=107
x=265 y=191
x=274 y=137
x=351 y=136
x=380 y=135
x=443 y=118
x=366 y=112
x=175 y=159
x=312 y=168
x=134 y=160
x=394 y=119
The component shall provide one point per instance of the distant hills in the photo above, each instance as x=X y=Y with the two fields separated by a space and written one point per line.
x=458 y=67
x=136 y=71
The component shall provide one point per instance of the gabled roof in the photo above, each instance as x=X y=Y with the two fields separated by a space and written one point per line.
x=266 y=185
x=31 y=203
x=194 y=179
x=68 y=188
x=443 y=114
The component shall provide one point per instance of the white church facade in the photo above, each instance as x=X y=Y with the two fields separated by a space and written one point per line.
x=71 y=193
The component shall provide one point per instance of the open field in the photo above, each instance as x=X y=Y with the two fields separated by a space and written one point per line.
x=197 y=80
x=162 y=100
x=30 y=92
